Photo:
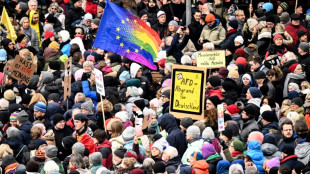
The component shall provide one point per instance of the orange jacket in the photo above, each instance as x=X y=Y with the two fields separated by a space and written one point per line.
x=201 y=167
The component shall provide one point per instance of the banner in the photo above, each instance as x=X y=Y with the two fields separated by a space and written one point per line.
x=5 y=20
x=99 y=82
x=211 y=59
x=22 y=70
x=67 y=80
x=220 y=117
x=188 y=91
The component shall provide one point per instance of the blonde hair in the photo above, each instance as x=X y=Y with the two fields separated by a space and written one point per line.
x=265 y=30
x=5 y=150
x=88 y=63
x=239 y=12
x=280 y=27
x=107 y=106
x=37 y=97
x=304 y=85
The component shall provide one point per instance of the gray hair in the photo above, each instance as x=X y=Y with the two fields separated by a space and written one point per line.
x=171 y=152
x=50 y=167
x=290 y=56
x=30 y=1
x=77 y=161
x=22 y=20
x=79 y=97
x=209 y=46
x=210 y=7
x=148 y=164
x=4 y=104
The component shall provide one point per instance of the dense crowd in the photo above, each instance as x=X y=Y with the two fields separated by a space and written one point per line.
x=264 y=89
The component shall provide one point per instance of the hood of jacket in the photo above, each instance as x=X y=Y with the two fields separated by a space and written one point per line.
x=255 y=155
x=269 y=149
x=118 y=139
x=49 y=52
x=106 y=143
x=134 y=67
x=201 y=165
x=254 y=145
x=26 y=126
x=255 y=101
x=264 y=35
x=168 y=122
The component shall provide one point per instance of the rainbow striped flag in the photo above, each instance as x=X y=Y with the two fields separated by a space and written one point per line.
x=123 y=33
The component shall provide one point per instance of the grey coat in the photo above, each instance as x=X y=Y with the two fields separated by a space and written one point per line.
x=271 y=151
x=247 y=128
x=34 y=39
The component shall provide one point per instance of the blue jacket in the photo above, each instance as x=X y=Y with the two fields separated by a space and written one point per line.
x=24 y=131
x=272 y=125
x=256 y=155
x=129 y=144
x=176 y=137
x=229 y=41
x=90 y=93
x=66 y=49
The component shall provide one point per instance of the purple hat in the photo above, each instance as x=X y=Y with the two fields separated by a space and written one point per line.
x=207 y=150
x=274 y=162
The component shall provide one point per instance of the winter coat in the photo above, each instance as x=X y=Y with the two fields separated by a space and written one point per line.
x=152 y=14
x=50 y=55
x=20 y=151
x=87 y=141
x=216 y=35
x=293 y=141
x=34 y=40
x=230 y=39
x=287 y=39
x=91 y=93
x=271 y=151
x=195 y=29
x=231 y=158
x=292 y=31
x=273 y=125
x=129 y=144
x=4 y=116
x=160 y=29
x=305 y=63
x=24 y=132
x=191 y=148
x=200 y=167
x=72 y=16
x=53 y=108
x=173 y=162
x=290 y=161
x=116 y=142
x=293 y=78
x=263 y=43
x=300 y=111
x=303 y=152
x=105 y=149
x=175 y=49
x=256 y=155
x=59 y=135
x=58 y=162
x=212 y=162
x=247 y=128
x=176 y=137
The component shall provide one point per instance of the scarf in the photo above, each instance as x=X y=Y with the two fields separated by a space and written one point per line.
x=230 y=32
x=28 y=32
x=82 y=131
x=11 y=168
x=155 y=126
x=235 y=153
x=79 y=35
x=298 y=76
x=22 y=45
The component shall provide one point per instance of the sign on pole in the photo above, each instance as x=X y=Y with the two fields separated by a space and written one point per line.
x=22 y=70
x=188 y=91
x=99 y=82
x=67 y=79
x=211 y=59
x=220 y=117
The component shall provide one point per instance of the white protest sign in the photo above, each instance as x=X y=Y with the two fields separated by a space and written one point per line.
x=220 y=117
x=99 y=82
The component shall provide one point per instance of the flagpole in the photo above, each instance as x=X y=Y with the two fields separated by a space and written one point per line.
x=103 y=116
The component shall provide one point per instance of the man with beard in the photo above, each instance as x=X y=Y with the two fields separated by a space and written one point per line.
x=289 y=138
x=61 y=130
x=195 y=29
x=90 y=35
x=152 y=10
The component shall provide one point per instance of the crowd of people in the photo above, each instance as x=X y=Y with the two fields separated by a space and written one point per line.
x=264 y=90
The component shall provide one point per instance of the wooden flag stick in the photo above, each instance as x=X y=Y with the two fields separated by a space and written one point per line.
x=102 y=110
x=296 y=5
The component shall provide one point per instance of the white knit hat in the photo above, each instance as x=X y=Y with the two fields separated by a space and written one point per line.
x=160 y=13
x=239 y=39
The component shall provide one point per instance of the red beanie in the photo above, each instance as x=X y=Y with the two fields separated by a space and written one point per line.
x=161 y=63
x=233 y=109
x=240 y=51
x=48 y=34
x=241 y=60
x=293 y=67
x=277 y=37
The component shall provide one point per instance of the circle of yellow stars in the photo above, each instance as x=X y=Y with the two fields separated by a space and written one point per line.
x=118 y=37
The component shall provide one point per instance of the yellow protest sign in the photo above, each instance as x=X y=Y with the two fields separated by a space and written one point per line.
x=187 y=92
x=211 y=59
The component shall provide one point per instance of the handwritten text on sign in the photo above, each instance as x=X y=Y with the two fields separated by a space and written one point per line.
x=22 y=69
x=211 y=59
x=99 y=82
x=187 y=91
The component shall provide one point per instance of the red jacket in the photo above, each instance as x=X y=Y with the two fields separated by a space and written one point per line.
x=87 y=141
x=91 y=7
x=105 y=149
x=201 y=167
x=292 y=31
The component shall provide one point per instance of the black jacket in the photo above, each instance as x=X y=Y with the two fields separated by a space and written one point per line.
x=161 y=29
x=59 y=135
x=195 y=29
x=152 y=14
x=72 y=15
x=305 y=63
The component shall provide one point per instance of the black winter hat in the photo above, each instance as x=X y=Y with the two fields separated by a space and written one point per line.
x=288 y=150
x=39 y=142
x=269 y=116
x=260 y=75
x=298 y=101
x=215 y=81
x=301 y=33
x=54 y=65
x=57 y=118
x=186 y=122
x=156 y=137
x=215 y=100
x=120 y=152
x=227 y=132
x=295 y=16
x=159 y=167
x=269 y=138
x=68 y=141
x=233 y=24
x=229 y=85
x=270 y=18
x=20 y=38
x=80 y=117
x=251 y=110
x=53 y=96
x=140 y=104
x=32 y=166
x=142 y=12
x=50 y=19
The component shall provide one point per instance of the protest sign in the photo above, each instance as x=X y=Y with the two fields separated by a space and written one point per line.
x=22 y=70
x=99 y=82
x=67 y=80
x=188 y=91
x=211 y=59
x=220 y=117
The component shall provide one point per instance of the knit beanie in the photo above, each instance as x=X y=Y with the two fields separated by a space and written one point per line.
x=269 y=116
x=201 y=125
x=22 y=116
x=252 y=22
x=68 y=142
x=277 y=36
x=293 y=116
x=239 y=145
x=173 y=23
x=39 y=142
x=207 y=150
x=131 y=154
x=186 y=122
x=128 y=134
x=54 y=45
x=96 y=21
x=295 y=16
x=293 y=67
x=301 y=33
x=13 y=132
x=88 y=106
x=120 y=152
x=40 y=106
x=274 y=162
x=288 y=150
x=215 y=100
x=222 y=166
x=233 y=24
x=250 y=110
x=57 y=118
x=161 y=63
x=95 y=158
x=124 y=76
x=298 y=101
x=255 y=92
x=269 y=138
x=123 y=115
x=239 y=39
x=223 y=71
x=197 y=156
x=241 y=60
x=227 y=132
x=193 y=131
x=48 y=34
x=304 y=46
x=160 y=13
x=186 y=60
x=9 y=95
x=215 y=81
x=285 y=17
x=239 y=161
x=13 y=116
x=284 y=6
x=233 y=109
x=51 y=151
x=260 y=75
x=240 y=51
x=264 y=108
x=251 y=170
x=142 y=13
x=270 y=18
x=210 y=17
x=159 y=167
x=140 y=104
x=78 y=148
x=233 y=74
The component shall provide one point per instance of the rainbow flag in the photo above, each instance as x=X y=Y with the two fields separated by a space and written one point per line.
x=123 y=33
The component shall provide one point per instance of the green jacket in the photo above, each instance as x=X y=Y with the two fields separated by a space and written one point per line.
x=58 y=162
x=93 y=169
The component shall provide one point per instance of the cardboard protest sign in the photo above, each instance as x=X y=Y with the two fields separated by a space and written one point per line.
x=188 y=91
x=67 y=79
x=22 y=70
x=211 y=59
x=220 y=117
x=99 y=82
